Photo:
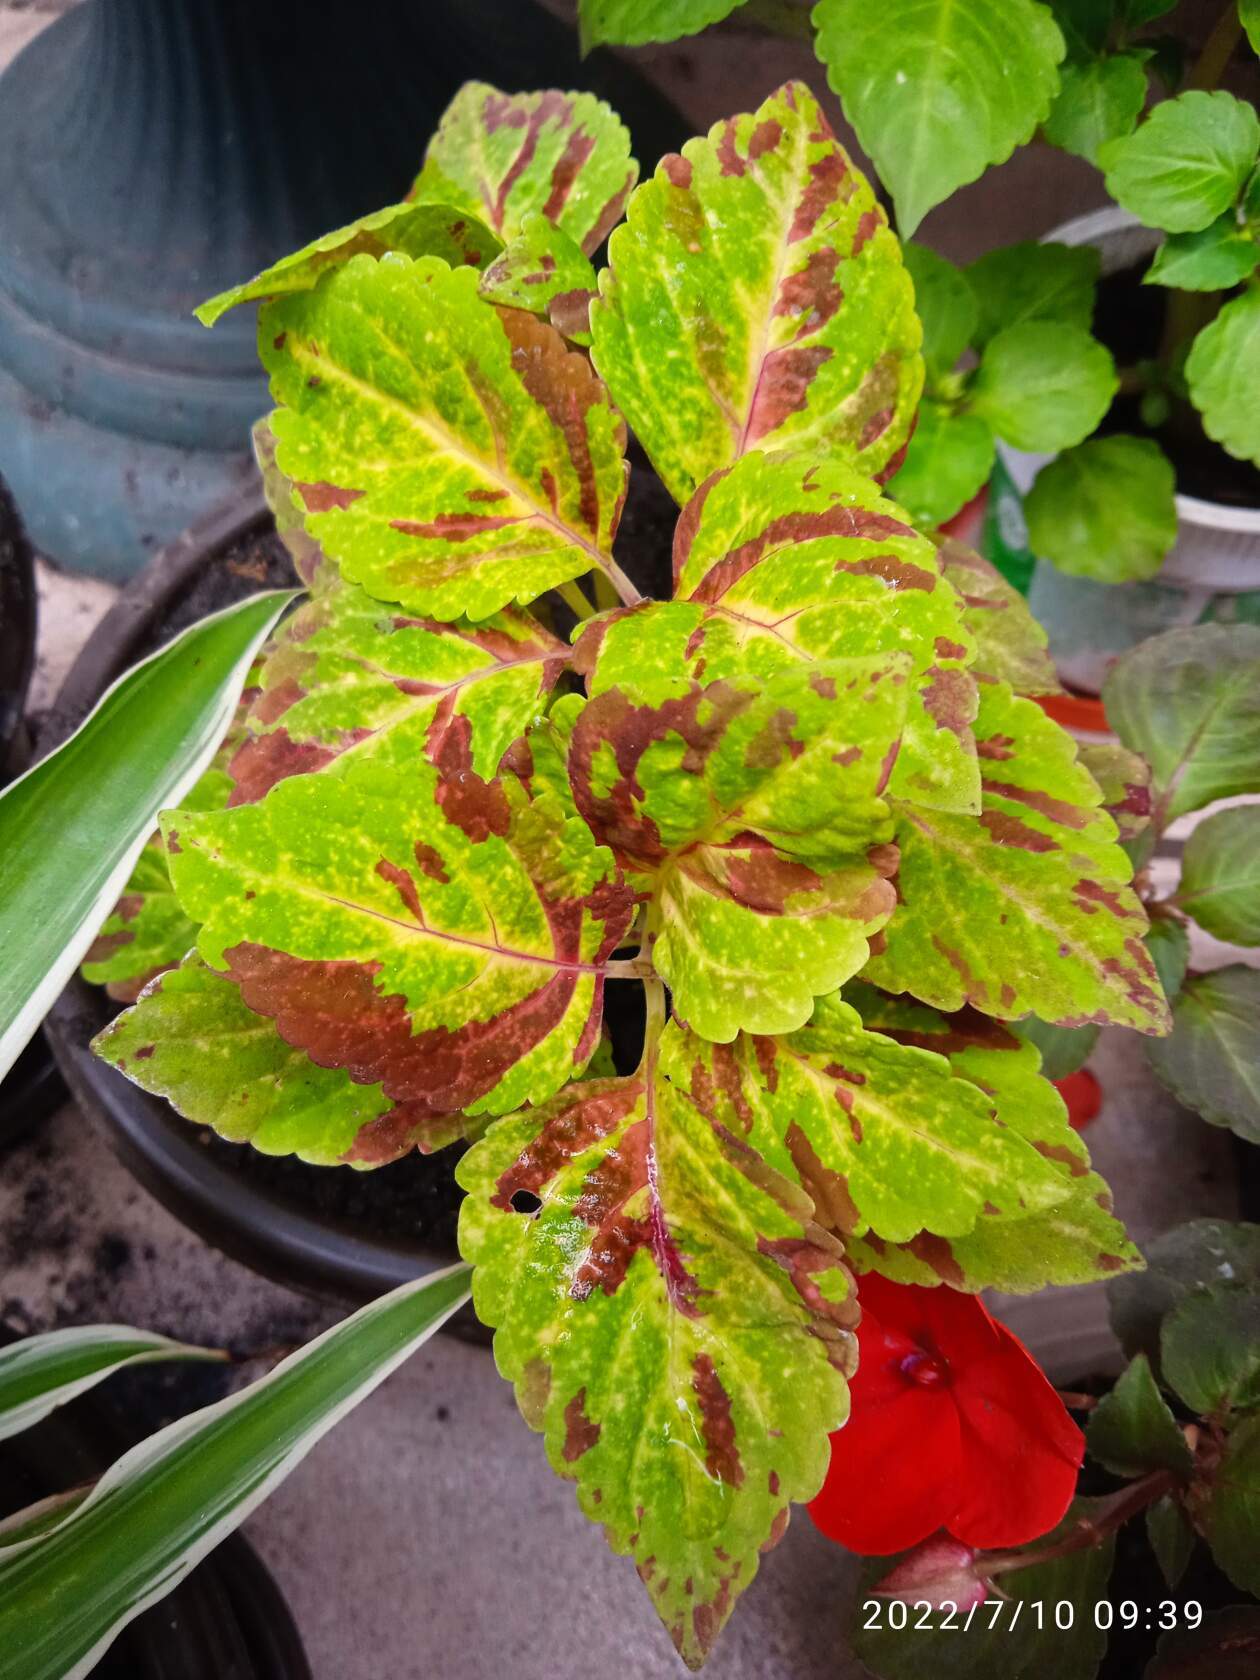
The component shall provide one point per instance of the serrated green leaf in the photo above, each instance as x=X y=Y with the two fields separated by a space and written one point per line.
x=352 y=680
x=449 y=456
x=1043 y=384
x=1097 y=101
x=1212 y=1061
x=654 y=1286
x=944 y=303
x=1132 y=1430
x=418 y=230
x=1075 y=1240
x=1026 y=908
x=948 y=461
x=1210 y=1350
x=1171 y=1538
x=1034 y=282
x=442 y=941
x=191 y=1039
x=1220 y=875
x=1169 y=945
x=1124 y=780
x=757 y=811
x=936 y=91
x=756 y=298
x=1214 y=259
x=40 y=1373
x=501 y=155
x=1223 y=375
x=1105 y=509
x=547 y=273
x=1189 y=701
x=1197 y=1256
x=1187 y=163
x=1018 y=1647
x=1011 y=646
x=1233 y=1515
x=635 y=23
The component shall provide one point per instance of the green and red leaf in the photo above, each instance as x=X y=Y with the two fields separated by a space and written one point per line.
x=547 y=273
x=1011 y=647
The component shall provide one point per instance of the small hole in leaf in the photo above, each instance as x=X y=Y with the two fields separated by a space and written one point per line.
x=525 y=1201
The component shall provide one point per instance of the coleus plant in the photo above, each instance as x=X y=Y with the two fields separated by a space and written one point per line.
x=806 y=803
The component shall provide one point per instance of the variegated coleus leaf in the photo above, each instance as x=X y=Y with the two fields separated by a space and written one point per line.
x=753 y=815
x=547 y=273
x=418 y=230
x=1025 y=909
x=446 y=941
x=756 y=298
x=1011 y=646
x=351 y=680
x=1076 y=1240
x=883 y=1136
x=1124 y=780
x=788 y=558
x=500 y=156
x=674 y=1322
x=191 y=1038
x=449 y=456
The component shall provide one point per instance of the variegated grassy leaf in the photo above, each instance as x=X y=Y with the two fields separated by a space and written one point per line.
x=501 y=155
x=350 y=680
x=445 y=941
x=882 y=1135
x=674 y=1322
x=1025 y=909
x=1010 y=644
x=546 y=272
x=757 y=299
x=449 y=456
x=788 y=558
x=418 y=230
x=1075 y=1240
x=191 y=1039
x=756 y=812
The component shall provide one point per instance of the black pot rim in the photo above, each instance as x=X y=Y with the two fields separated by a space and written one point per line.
x=315 y=1253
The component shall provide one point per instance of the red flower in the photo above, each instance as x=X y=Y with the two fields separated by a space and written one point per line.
x=953 y=1426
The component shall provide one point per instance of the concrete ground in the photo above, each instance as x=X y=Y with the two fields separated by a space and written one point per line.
x=427 y=1536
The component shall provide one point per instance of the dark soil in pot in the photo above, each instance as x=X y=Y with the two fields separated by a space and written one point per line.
x=1130 y=320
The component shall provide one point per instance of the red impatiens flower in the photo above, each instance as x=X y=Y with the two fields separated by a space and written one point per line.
x=953 y=1426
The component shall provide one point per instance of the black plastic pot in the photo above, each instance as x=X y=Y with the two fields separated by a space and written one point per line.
x=232 y=553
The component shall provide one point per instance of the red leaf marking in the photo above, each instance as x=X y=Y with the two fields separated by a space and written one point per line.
x=1009 y=831
x=401 y=880
x=717 y=1427
x=1058 y=810
x=323 y=497
x=949 y=699
x=577 y=150
x=1092 y=895
x=996 y=746
x=804 y=1259
x=791 y=528
x=500 y=111
x=452 y=527
x=580 y=1432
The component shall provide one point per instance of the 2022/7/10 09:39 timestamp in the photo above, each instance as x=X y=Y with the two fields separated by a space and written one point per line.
x=1008 y=1613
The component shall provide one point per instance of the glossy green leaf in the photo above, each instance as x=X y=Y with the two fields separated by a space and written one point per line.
x=1193 y=1258
x=1124 y=780
x=1214 y=259
x=1043 y=384
x=1132 y=1429
x=66 y=1594
x=1220 y=875
x=1249 y=13
x=40 y=1373
x=418 y=230
x=948 y=461
x=449 y=456
x=1187 y=163
x=1105 y=509
x=441 y=940
x=500 y=156
x=1010 y=644
x=635 y=23
x=1210 y=1350
x=1097 y=101
x=756 y=298
x=546 y=272
x=191 y=1039
x=1034 y=282
x=1026 y=908
x=72 y=829
x=944 y=303
x=1212 y=1061
x=1223 y=375
x=1169 y=945
x=1189 y=701
x=1171 y=1538
x=937 y=91
x=674 y=1321
x=1233 y=1514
